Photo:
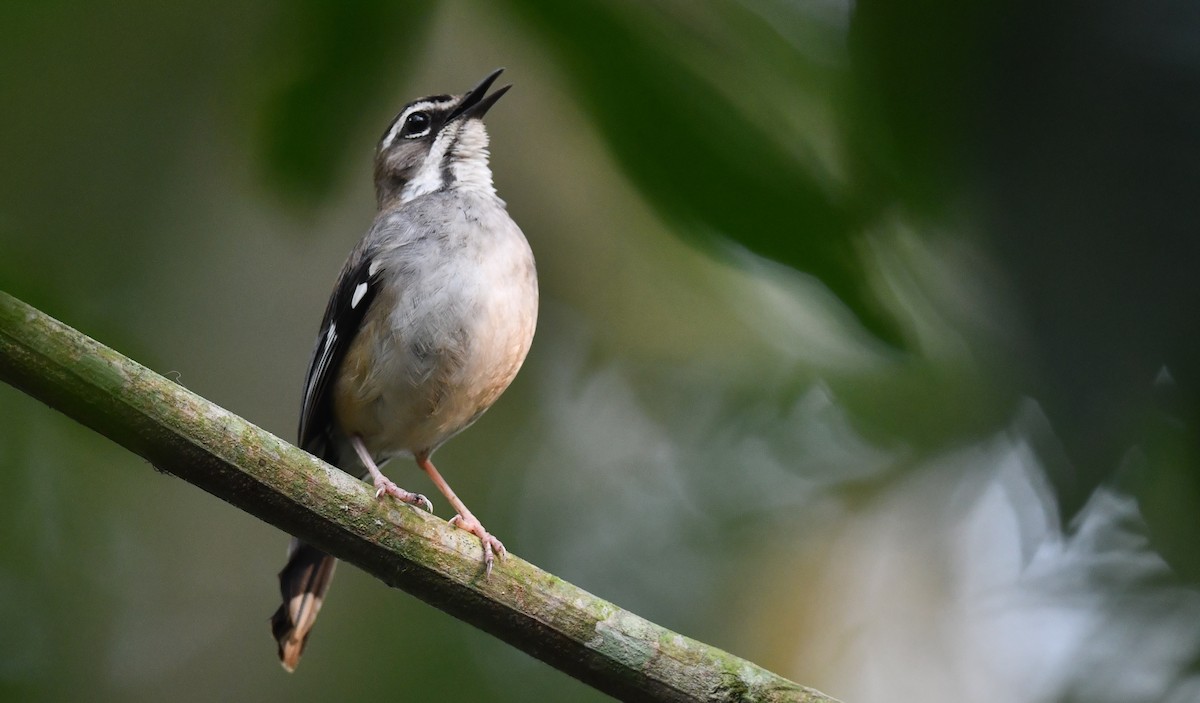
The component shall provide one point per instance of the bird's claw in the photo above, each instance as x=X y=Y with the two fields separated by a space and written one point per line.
x=389 y=487
x=491 y=545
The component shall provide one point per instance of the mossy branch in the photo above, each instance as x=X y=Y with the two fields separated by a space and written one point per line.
x=177 y=431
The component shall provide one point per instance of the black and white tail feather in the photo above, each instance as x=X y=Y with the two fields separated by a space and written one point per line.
x=305 y=578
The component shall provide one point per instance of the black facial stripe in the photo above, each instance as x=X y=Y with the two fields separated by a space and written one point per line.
x=447 y=160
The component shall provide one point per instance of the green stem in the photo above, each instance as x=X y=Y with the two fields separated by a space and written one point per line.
x=178 y=431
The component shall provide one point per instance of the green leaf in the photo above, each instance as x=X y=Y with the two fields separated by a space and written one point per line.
x=694 y=151
x=325 y=63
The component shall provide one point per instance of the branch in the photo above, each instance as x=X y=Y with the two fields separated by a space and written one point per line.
x=178 y=431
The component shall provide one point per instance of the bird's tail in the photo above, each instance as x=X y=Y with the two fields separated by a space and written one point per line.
x=303 y=583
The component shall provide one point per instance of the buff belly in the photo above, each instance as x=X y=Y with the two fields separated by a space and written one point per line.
x=407 y=394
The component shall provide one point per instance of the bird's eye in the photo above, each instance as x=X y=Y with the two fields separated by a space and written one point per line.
x=416 y=125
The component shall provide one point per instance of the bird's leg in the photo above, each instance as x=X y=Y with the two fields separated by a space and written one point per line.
x=383 y=484
x=464 y=519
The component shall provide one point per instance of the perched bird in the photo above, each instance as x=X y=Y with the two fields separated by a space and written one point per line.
x=429 y=321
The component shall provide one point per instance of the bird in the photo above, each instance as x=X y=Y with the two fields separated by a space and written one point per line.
x=430 y=319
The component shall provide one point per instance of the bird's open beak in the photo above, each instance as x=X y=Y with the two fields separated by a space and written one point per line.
x=474 y=103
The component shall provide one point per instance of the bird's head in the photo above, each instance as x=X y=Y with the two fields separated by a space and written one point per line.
x=436 y=143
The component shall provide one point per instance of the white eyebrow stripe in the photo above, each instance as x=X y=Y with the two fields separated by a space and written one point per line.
x=398 y=123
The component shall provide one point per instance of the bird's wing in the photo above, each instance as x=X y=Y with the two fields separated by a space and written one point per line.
x=352 y=296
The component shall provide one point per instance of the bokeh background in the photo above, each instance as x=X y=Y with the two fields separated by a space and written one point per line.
x=868 y=348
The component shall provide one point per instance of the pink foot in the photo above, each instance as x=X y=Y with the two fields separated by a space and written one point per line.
x=384 y=485
x=491 y=545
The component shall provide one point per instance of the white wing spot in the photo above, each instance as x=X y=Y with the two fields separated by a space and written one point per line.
x=359 y=291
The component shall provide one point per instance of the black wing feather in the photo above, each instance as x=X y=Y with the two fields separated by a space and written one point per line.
x=343 y=317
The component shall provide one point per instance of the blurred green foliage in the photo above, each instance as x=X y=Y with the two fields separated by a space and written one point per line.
x=806 y=266
x=715 y=171
x=317 y=72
